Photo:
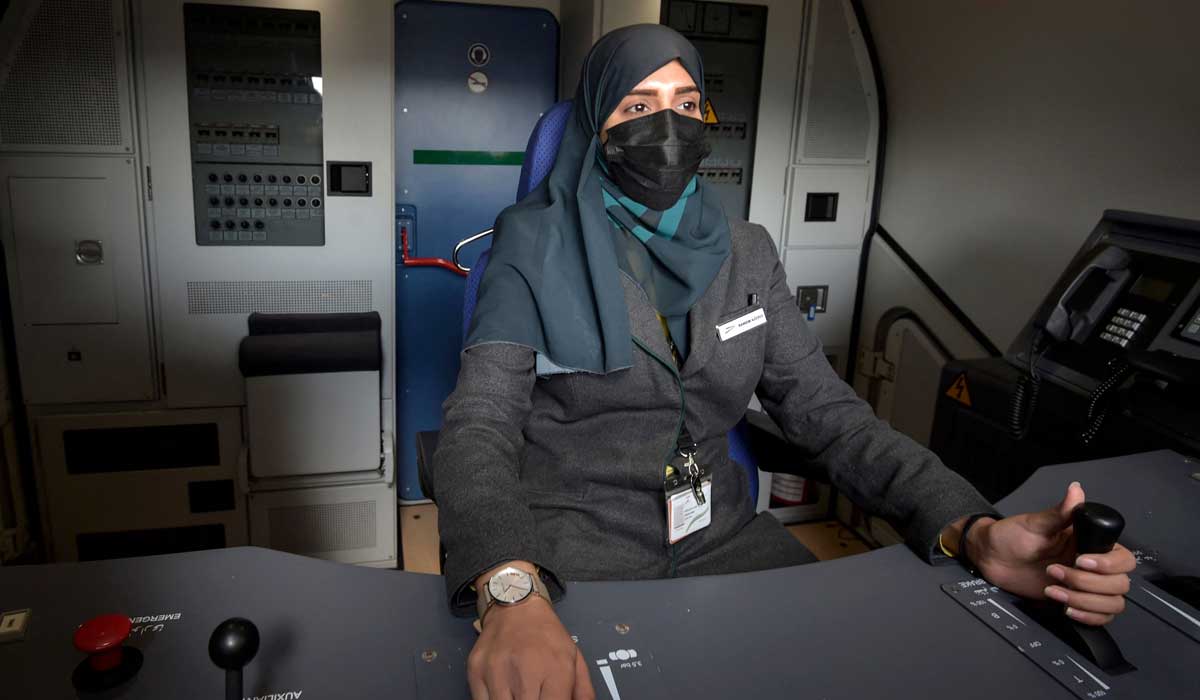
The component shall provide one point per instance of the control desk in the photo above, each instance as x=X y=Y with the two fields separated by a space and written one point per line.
x=882 y=624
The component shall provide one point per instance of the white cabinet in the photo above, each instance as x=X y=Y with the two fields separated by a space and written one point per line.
x=141 y=483
x=77 y=278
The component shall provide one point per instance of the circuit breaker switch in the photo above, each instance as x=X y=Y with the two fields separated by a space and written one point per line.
x=13 y=624
x=813 y=299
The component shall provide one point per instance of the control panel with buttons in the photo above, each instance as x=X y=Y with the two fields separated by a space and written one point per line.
x=1123 y=326
x=1191 y=327
x=269 y=205
x=256 y=139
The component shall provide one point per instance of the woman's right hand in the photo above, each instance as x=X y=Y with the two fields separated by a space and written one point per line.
x=525 y=653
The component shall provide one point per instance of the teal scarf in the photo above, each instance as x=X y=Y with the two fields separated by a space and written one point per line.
x=675 y=254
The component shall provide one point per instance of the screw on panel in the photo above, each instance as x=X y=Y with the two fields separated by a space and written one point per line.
x=622 y=628
x=428 y=656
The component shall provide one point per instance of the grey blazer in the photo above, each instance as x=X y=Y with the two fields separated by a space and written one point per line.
x=566 y=471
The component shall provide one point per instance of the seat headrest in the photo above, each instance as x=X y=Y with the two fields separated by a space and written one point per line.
x=542 y=148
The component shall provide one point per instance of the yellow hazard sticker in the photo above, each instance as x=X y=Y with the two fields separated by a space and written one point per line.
x=710 y=114
x=959 y=391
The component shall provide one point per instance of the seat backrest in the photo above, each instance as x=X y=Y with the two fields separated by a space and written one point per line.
x=540 y=152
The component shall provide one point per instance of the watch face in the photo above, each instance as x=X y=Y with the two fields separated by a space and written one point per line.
x=510 y=586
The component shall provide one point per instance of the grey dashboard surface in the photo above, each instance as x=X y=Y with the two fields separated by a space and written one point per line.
x=873 y=625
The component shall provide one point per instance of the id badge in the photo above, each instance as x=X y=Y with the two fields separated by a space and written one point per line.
x=687 y=510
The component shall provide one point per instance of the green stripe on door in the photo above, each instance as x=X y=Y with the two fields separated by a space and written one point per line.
x=468 y=157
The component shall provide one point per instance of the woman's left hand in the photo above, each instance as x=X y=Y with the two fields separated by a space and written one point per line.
x=1033 y=555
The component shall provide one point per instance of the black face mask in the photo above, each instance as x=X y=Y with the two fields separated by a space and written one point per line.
x=652 y=159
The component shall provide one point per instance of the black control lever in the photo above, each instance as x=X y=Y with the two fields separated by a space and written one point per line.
x=1097 y=528
x=233 y=644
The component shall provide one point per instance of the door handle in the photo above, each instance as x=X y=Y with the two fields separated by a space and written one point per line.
x=89 y=252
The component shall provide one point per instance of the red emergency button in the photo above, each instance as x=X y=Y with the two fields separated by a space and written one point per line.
x=101 y=638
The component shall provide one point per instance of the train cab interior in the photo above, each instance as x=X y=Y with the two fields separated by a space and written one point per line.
x=243 y=242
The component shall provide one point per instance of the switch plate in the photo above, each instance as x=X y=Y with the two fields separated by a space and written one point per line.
x=821 y=206
x=810 y=297
x=348 y=178
x=13 y=625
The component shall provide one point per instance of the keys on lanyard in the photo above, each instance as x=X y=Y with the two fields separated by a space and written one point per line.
x=692 y=472
x=688 y=491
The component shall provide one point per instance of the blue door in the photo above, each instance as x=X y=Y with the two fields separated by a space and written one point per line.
x=471 y=82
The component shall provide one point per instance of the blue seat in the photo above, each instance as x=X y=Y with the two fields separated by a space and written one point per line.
x=540 y=153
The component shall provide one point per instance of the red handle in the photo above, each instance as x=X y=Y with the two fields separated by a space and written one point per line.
x=424 y=262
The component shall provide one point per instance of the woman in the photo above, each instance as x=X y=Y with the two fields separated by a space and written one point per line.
x=622 y=327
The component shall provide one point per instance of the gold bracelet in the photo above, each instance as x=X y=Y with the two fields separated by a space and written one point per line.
x=942 y=546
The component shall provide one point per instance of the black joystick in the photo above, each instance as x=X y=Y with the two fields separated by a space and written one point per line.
x=1097 y=528
x=233 y=644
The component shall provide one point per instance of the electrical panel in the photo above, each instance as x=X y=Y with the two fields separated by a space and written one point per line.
x=254 y=106
x=730 y=38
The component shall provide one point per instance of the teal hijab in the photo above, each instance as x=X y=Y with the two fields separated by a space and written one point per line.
x=554 y=280
x=674 y=254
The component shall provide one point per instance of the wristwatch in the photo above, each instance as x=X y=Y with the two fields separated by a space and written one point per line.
x=507 y=587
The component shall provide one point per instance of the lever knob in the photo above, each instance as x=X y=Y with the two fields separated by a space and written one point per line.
x=1097 y=527
x=233 y=643
x=101 y=639
x=109 y=663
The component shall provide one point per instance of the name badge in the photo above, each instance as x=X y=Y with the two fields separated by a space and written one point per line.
x=741 y=324
x=686 y=514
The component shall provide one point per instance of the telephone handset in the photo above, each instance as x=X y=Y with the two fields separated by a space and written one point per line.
x=1102 y=279
x=1125 y=313
x=1086 y=303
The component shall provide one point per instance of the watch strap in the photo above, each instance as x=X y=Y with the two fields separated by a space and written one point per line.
x=961 y=554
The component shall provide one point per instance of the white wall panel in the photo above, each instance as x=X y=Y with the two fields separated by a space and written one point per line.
x=851 y=183
x=891 y=284
x=837 y=268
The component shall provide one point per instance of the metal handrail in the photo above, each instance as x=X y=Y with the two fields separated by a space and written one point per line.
x=466 y=242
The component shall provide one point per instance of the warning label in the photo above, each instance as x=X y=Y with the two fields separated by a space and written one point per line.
x=959 y=391
x=710 y=114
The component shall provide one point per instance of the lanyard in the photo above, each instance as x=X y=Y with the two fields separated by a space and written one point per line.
x=685 y=446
